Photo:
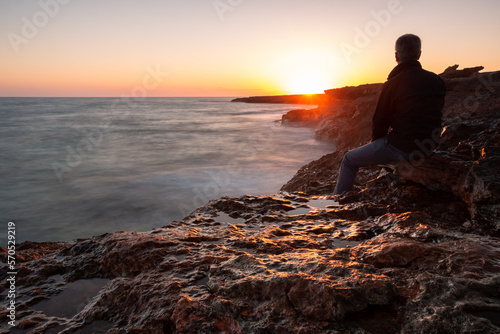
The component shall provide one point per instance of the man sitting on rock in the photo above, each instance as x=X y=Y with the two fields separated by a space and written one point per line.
x=407 y=117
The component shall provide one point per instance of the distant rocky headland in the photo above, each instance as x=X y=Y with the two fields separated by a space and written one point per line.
x=286 y=99
x=413 y=248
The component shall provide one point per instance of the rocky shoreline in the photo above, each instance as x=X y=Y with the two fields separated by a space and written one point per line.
x=414 y=248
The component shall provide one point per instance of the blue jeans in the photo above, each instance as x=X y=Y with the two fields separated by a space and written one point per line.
x=375 y=153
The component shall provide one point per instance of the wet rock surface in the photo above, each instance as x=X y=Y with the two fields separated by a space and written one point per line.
x=412 y=249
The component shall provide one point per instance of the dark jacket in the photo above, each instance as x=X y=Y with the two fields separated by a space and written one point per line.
x=411 y=104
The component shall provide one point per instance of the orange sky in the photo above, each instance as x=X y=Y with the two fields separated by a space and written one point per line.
x=229 y=48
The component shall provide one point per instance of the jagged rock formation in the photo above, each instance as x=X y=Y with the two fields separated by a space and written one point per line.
x=453 y=72
x=412 y=249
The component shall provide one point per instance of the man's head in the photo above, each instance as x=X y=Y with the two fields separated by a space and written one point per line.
x=408 y=47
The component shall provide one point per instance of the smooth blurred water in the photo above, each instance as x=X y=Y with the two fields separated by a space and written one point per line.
x=77 y=167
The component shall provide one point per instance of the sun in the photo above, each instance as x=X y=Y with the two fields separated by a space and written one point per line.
x=310 y=70
x=307 y=81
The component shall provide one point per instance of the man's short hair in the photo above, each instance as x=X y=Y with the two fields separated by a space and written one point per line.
x=408 y=47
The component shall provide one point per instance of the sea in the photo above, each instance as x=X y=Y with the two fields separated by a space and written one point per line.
x=78 y=167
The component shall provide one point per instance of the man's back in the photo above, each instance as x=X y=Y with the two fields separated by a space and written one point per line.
x=411 y=103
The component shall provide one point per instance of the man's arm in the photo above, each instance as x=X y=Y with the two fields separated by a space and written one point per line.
x=380 y=122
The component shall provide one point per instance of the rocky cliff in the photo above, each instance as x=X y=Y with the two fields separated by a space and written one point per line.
x=414 y=248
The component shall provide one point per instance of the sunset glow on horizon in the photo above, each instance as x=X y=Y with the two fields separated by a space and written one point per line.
x=230 y=48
